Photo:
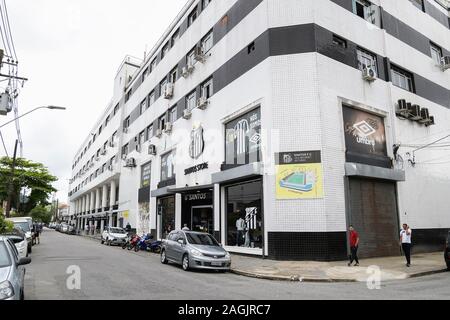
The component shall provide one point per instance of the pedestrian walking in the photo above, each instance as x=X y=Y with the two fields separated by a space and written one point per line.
x=37 y=231
x=354 y=243
x=405 y=242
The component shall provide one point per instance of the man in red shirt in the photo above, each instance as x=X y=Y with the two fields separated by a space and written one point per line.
x=354 y=242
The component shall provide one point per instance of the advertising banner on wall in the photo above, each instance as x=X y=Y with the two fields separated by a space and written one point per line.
x=365 y=138
x=299 y=175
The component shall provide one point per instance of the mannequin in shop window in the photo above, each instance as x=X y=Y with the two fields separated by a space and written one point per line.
x=240 y=227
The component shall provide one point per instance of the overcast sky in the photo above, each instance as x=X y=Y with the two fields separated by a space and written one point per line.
x=71 y=50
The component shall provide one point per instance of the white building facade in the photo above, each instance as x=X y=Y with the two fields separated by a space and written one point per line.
x=273 y=125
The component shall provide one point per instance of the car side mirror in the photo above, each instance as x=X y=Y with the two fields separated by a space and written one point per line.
x=181 y=241
x=24 y=261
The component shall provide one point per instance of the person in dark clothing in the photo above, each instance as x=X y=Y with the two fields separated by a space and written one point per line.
x=128 y=227
x=405 y=242
x=354 y=242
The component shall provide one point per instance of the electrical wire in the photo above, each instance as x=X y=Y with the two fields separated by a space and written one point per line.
x=9 y=29
x=4 y=146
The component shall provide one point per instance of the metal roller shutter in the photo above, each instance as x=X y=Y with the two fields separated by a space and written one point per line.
x=373 y=213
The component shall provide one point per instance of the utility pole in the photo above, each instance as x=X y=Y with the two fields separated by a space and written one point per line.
x=11 y=182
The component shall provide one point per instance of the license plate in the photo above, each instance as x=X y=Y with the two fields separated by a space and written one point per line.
x=216 y=264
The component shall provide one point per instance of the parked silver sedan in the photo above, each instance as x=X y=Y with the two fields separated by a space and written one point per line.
x=195 y=250
x=12 y=272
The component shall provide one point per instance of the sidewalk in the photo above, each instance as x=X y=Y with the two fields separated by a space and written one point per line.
x=391 y=268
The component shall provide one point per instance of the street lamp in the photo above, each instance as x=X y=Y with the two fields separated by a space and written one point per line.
x=45 y=107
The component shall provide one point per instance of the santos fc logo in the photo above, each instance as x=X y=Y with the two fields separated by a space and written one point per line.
x=197 y=143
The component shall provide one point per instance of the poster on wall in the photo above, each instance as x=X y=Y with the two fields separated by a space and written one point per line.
x=299 y=175
x=143 y=226
x=365 y=138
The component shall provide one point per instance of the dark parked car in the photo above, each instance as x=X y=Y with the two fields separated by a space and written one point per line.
x=447 y=252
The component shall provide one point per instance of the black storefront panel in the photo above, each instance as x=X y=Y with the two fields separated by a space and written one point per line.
x=198 y=211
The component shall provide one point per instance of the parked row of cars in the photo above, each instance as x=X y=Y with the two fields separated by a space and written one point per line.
x=15 y=248
x=62 y=227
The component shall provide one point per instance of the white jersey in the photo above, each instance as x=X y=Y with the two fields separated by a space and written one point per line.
x=405 y=237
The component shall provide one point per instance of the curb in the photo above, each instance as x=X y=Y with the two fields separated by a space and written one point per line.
x=295 y=278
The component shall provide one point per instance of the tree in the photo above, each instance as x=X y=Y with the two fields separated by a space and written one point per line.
x=5 y=226
x=41 y=214
x=28 y=175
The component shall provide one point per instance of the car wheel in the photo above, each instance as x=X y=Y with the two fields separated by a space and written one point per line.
x=185 y=262
x=30 y=249
x=163 y=257
x=102 y=241
x=22 y=295
x=136 y=248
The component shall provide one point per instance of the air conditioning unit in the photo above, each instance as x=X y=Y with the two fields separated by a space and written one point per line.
x=414 y=112
x=369 y=73
x=430 y=121
x=158 y=133
x=202 y=103
x=402 y=108
x=185 y=72
x=103 y=152
x=199 y=55
x=168 y=127
x=125 y=130
x=152 y=150
x=425 y=115
x=190 y=68
x=445 y=63
x=131 y=163
x=138 y=148
x=110 y=168
x=168 y=91
x=187 y=114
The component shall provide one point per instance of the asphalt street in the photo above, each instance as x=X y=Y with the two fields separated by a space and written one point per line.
x=113 y=273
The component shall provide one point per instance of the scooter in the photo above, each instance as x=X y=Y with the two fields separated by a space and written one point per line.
x=143 y=243
x=148 y=244
x=132 y=243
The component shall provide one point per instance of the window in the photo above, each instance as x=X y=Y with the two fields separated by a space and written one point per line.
x=97 y=172
x=402 y=79
x=207 y=89
x=98 y=153
x=164 y=51
x=251 y=47
x=175 y=37
x=143 y=106
x=149 y=132
x=141 y=137
x=153 y=65
x=190 y=60
x=419 y=4
x=94 y=137
x=116 y=109
x=145 y=174
x=100 y=130
x=436 y=53
x=174 y=75
x=145 y=73
x=128 y=95
x=205 y=3
x=207 y=42
x=125 y=150
x=104 y=167
x=366 y=10
x=338 y=41
x=114 y=136
x=111 y=162
x=173 y=114
x=192 y=17
x=167 y=166
x=162 y=122
x=191 y=100
x=106 y=121
x=366 y=59
x=151 y=98
x=105 y=145
x=126 y=123
x=162 y=86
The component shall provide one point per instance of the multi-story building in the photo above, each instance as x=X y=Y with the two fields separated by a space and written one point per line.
x=273 y=125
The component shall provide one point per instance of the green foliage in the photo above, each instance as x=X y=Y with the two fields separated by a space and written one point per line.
x=5 y=226
x=30 y=175
x=41 y=214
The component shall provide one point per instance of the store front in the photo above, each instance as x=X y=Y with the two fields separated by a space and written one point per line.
x=244 y=216
x=198 y=211
x=166 y=216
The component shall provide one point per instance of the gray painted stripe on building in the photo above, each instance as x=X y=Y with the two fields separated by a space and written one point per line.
x=363 y=170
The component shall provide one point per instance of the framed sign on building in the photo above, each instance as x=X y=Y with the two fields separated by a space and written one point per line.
x=299 y=175
x=365 y=138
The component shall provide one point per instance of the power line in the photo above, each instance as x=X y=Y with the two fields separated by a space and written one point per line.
x=4 y=146
x=9 y=29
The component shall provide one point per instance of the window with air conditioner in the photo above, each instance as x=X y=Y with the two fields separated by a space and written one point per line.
x=366 y=60
x=191 y=101
x=402 y=78
x=436 y=53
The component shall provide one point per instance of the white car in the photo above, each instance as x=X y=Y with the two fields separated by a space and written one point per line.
x=112 y=235
x=24 y=225
x=19 y=239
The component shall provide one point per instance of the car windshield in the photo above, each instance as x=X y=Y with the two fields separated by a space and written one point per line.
x=117 y=230
x=201 y=239
x=22 y=225
x=5 y=261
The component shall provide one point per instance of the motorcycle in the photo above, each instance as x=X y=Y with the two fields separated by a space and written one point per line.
x=147 y=243
x=132 y=242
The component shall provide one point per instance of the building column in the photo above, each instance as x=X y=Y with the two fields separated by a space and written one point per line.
x=178 y=204
x=216 y=203
x=92 y=201
x=102 y=225
x=97 y=199
x=112 y=194
x=104 y=196
x=82 y=203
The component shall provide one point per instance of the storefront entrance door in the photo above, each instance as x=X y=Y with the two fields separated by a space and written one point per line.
x=202 y=218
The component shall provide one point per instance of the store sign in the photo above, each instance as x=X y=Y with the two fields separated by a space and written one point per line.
x=197 y=168
x=197 y=196
x=365 y=137
x=243 y=138
x=299 y=175
x=145 y=174
x=197 y=145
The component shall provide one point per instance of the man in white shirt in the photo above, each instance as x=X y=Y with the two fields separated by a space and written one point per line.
x=405 y=241
x=240 y=227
